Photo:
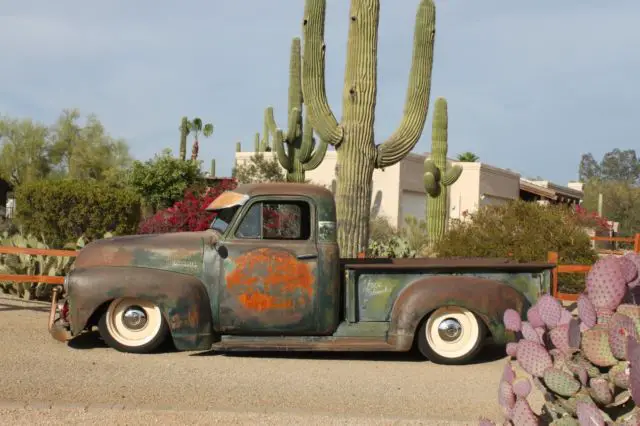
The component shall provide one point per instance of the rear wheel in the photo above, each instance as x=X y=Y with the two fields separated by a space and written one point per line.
x=451 y=335
x=133 y=325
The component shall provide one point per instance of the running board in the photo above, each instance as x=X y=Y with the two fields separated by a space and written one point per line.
x=302 y=343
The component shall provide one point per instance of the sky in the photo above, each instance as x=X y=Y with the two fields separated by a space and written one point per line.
x=530 y=85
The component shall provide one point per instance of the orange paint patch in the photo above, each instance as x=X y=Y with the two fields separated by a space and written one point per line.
x=266 y=279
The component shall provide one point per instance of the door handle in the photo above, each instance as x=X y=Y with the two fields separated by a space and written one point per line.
x=307 y=256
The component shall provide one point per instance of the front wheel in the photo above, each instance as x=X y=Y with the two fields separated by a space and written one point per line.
x=451 y=335
x=133 y=325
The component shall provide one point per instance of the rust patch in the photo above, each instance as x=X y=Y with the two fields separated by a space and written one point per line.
x=267 y=279
x=227 y=199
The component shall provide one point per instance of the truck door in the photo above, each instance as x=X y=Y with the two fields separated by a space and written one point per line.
x=270 y=269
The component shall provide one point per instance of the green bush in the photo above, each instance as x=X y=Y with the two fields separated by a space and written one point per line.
x=387 y=241
x=64 y=210
x=523 y=231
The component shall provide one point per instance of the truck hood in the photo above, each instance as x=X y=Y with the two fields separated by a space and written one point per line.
x=180 y=252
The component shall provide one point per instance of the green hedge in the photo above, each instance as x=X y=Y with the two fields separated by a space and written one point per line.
x=524 y=231
x=63 y=210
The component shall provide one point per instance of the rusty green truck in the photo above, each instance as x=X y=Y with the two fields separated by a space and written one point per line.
x=268 y=275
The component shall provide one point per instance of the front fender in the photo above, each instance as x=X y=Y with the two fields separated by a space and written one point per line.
x=488 y=299
x=183 y=299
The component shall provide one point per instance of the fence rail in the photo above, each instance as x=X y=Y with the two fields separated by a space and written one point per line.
x=552 y=257
x=45 y=279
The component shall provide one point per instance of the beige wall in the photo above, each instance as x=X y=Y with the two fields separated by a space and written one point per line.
x=385 y=198
x=399 y=189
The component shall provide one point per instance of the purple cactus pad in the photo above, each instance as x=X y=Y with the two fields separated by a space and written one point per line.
x=512 y=320
x=533 y=358
x=534 y=318
x=633 y=352
x=605 y=284
x=529 y=333
x=586 y=311
x=550 y=310
x=589 y=414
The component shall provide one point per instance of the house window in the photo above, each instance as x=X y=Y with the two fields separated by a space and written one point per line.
x=276 y=220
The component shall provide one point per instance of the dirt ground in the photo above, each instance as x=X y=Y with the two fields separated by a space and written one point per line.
x=47 y=382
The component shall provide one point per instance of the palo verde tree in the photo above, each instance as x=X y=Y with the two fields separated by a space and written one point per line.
x=299 y=155
x=353 y=138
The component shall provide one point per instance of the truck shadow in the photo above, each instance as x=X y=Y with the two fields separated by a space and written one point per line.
x=489 y=353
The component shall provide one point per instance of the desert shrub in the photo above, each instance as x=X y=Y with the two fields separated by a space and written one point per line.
x=60 y=211
x=188 y=214
x=523 y=231
x=387 y=241
x=163 y=180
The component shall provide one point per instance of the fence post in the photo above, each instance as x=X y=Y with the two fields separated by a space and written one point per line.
x=552 y=257
x=636 y=243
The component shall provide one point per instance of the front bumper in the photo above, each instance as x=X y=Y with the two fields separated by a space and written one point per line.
x=58 y=328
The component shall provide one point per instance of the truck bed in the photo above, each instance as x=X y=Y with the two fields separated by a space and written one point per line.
x=441 y=264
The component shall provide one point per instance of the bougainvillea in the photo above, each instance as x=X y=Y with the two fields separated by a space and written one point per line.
x=591 y=219
x=188 y=214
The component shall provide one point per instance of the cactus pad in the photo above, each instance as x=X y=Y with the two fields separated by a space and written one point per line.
x=586 y=311
x=533 y=358
x=523 y=415
x=605 y=284
x=506 y=398
x=628 y=268
x=589 y=414
x=560 y=382
x=512 y=349
x=511 y=319
x=620 y=328
x=633 y=348
x=534 y=318
x=529 y=333
x=550 y=310
x=521 y=387
x=595 y=344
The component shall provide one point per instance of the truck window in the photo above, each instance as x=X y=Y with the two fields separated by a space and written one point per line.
x=280 y=220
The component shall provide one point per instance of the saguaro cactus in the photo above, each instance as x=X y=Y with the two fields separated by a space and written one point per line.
x=299 y=155
x=437 y=177
x=185 y=129
x=358 y=155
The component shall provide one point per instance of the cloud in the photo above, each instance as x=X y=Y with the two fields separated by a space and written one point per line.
x=530 y=85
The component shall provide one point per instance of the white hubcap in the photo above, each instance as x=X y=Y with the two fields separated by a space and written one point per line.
x=133 y=322
x=452 y=332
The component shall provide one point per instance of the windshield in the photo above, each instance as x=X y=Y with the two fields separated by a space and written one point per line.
x=223 y=219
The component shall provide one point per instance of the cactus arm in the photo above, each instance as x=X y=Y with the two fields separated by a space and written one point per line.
x=279 y=140
x=256 y=143
x=431 y=185
x=313 y=68
x=238 y=146
x=451 y=175
x=317 y=156
x=307 y=143
x=402 y=141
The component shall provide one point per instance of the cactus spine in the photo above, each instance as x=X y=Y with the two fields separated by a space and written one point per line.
x=299 y=155
x=437 y=177
x=353 y=138
x=185 y=128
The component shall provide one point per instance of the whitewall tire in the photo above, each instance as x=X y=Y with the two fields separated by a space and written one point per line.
x=133 y=325
x=451 y=335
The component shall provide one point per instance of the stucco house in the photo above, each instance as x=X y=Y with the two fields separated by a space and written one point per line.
x=398 y=191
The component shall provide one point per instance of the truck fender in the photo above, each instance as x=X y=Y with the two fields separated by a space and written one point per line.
x=486 y=298
x=183 y=300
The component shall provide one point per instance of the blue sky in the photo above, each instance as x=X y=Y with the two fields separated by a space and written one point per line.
x=531 y=85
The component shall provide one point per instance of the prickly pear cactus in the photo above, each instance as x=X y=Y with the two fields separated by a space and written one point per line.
x=587 y=366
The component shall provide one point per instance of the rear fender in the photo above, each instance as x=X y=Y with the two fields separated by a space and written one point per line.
x=182 y=298
x=488 y=299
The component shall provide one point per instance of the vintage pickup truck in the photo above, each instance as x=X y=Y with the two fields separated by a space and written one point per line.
x=268 y=275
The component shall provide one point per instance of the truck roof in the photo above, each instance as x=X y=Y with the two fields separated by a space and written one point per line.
x=243 y=192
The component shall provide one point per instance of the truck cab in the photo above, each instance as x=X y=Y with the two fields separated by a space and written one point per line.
x=267 y=275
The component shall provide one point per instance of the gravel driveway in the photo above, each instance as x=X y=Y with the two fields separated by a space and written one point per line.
x=87 y=382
